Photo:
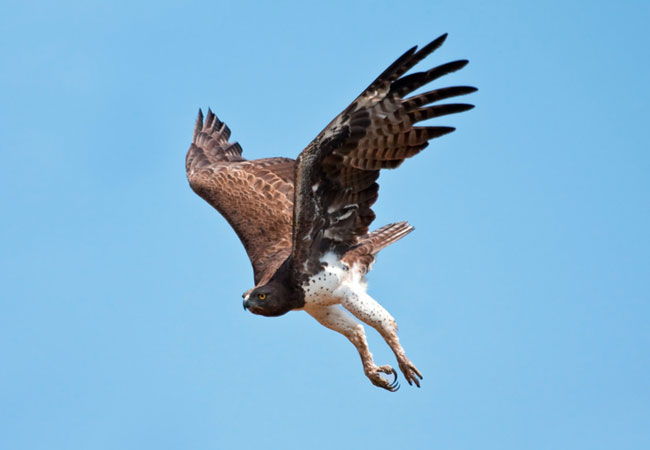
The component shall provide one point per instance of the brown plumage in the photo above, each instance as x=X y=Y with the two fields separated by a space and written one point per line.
x=305 y=223
x=255 y=197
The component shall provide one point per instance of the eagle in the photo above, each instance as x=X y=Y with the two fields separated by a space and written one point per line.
x=305 y=223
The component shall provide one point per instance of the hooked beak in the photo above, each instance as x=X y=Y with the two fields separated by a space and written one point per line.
x=245 y=296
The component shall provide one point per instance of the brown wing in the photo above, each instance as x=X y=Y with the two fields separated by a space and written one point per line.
x=255 y=197
x=336 y=174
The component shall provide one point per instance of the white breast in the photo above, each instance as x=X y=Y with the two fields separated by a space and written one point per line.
x=321 y=289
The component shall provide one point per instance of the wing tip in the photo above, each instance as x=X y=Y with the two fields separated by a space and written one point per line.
x=452 y=66
x=198 y=125
x=432 y=46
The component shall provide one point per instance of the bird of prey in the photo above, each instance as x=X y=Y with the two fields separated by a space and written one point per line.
x=304 y=222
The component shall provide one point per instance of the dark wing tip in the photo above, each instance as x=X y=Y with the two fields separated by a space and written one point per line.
x=460 y=107
x=212 y=124
x=448 y=68
x=398 y=67
x=441 y=131
x=459 y=64
x=199 y=122
x=432 y=46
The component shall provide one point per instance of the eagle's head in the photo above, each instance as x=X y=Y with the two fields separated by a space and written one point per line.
x=272 y=299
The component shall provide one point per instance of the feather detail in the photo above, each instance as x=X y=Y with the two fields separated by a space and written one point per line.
x=244 y=192
x=377 y=131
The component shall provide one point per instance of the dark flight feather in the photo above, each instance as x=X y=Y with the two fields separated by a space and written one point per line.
x=336 y=174
x=335 y=177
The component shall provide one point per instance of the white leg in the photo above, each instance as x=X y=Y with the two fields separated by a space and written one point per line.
x=335 y=318
x=366 y=309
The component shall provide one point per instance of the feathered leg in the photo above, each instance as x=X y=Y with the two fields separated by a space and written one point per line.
x=366 y=309
x=335 y=318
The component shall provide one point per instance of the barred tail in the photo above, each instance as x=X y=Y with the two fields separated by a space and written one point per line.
x=372 y=243
x=386 y=235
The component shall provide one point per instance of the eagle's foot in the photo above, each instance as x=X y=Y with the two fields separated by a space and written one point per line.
x=373 y=373
x=411 y=373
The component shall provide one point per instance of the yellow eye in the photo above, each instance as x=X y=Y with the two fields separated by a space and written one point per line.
x=261 y=296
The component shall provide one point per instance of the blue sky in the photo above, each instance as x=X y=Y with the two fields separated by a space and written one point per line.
x=522 y=295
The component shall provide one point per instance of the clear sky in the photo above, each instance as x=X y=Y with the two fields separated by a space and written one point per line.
x=522 y=296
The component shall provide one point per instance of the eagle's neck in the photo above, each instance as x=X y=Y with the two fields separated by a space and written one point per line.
x=289 y=278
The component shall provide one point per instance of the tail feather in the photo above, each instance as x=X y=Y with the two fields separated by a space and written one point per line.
x=363 y=255
x=386 y=235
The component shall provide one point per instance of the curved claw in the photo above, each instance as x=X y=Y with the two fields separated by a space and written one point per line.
x=394 y=385
x=382 y=382
x=395 y=378
x=411 y=373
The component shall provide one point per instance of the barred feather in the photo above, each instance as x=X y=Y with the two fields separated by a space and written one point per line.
x=336 y=173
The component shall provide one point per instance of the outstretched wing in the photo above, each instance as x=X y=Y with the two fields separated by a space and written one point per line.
x=255 y=197
x=336 y=174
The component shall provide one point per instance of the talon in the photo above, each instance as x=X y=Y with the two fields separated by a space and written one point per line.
x=382 y=382
x=411 y=373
